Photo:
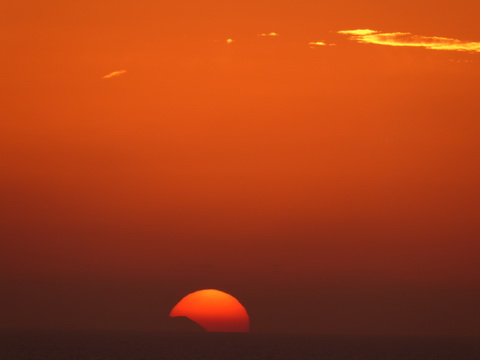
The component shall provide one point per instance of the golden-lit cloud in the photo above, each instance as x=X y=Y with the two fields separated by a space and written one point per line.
x=114 y=74
x=319 y=43
x=269 y=34
x=358 y=32
x=409 y=39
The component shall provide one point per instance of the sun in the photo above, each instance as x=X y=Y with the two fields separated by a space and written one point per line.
x=213 y=310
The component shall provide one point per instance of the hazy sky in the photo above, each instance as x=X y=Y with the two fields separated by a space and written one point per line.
x=330 y=181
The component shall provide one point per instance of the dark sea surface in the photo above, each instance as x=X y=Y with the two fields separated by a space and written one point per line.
x=23 y=345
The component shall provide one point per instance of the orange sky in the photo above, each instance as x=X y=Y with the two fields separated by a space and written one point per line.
x=330 y=188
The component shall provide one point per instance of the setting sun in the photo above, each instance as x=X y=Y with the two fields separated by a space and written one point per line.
x=213 y=310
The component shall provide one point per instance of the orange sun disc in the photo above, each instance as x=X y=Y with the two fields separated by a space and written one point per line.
x=213 y=310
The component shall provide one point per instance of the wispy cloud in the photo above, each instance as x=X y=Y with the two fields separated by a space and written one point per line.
x=319 y=43
x=269 y=34
x=358 y=32
x=409 y=39
x=114 y=74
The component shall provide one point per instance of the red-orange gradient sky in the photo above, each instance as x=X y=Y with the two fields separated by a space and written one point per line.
x=331 y=189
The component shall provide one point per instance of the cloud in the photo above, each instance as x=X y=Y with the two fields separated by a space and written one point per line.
x=269 y=34
x=409 y=39
x=319 y=43
x=358 y=32
x=114 y=74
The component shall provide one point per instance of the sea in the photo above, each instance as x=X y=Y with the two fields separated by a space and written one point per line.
x=77 y=345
